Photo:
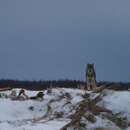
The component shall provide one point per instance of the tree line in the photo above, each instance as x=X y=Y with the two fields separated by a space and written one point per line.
x=42 y=85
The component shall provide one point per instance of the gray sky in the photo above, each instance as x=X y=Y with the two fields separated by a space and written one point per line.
x=55 y=39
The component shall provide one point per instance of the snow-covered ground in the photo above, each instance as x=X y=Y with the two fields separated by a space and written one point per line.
x=118 y=101
x=17 y=115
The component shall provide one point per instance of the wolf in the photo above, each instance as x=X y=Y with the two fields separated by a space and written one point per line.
x=90 y=77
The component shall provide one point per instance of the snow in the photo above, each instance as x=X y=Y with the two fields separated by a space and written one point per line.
x=16 y=110
x=104 y=123
x=52 y=125
x=16 y=115
x=118 y=101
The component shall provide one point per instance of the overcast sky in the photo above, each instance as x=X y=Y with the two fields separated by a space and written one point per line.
x=55 y=39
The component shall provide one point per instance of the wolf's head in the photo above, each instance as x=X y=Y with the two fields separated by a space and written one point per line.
x=90 y=70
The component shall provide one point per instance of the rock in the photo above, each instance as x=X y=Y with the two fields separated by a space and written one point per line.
x=58 y=114
x=31 y=108
x=90 y=117
x=120 y=121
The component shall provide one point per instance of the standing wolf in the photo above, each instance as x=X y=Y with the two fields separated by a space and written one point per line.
x=90 y=77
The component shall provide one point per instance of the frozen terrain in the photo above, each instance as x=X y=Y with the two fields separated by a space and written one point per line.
x=55 y=110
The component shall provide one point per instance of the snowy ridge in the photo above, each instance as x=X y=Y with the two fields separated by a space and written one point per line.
x=17 y=115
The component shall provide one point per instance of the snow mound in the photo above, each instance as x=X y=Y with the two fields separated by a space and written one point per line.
x=118 y=101
x=55 y=110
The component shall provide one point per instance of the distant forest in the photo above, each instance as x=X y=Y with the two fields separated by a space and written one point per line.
x=42 y=85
